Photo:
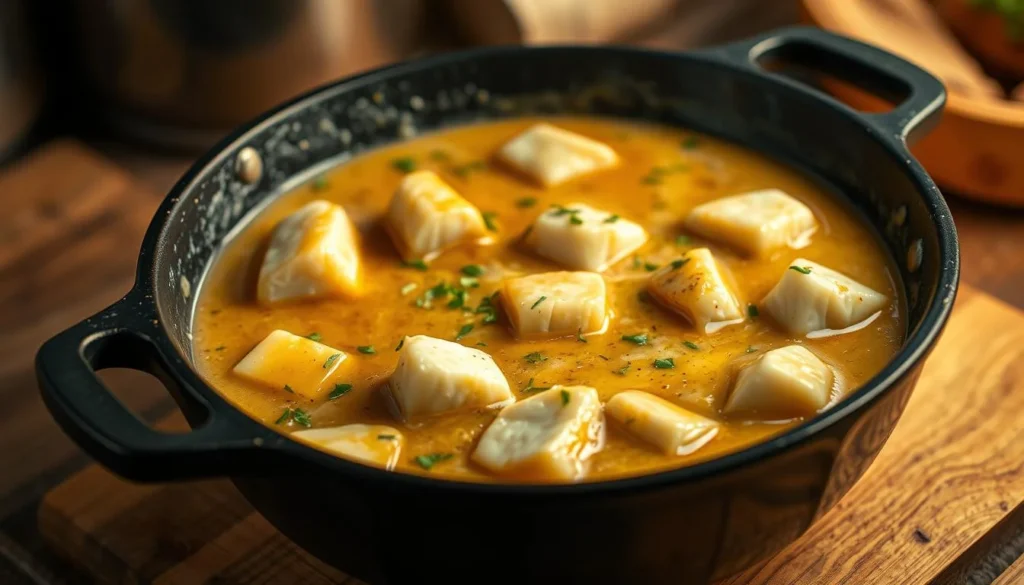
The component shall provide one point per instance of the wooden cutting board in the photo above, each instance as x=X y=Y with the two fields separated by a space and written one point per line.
x=942 y=500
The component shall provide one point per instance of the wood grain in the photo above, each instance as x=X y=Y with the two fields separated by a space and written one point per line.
x=1012 y=576
x=952 y=470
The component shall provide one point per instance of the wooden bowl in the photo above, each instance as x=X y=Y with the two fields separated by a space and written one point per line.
x=985 y=33
x=978 y=147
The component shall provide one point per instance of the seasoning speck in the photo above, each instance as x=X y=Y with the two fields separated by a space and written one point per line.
x=534 y=357
x=428 y=461
x=463 y=331
x=664 y=364
x=405 y=164
x=416 y=264
x=637 y=338
x=691 y=345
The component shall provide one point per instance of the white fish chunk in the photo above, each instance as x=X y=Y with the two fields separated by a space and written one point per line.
x=378 y=445
x=313 y=253
x=286 y=362
x=581 y=237
x=694 y=286
x=426 y=217
x=555 y=304
x=671 y=428
x=756 y=223
x=784 y=383
x=810 y=297
x=434 y=376
x=547 y=437
x=551 y=155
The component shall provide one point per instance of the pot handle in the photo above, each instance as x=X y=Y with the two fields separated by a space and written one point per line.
x=117 y=337
x=917 y=94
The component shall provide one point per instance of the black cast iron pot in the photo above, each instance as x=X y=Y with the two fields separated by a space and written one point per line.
x=676 y=527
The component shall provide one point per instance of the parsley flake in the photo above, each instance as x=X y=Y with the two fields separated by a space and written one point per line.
x=472 y=270
x=319 y=183
x=405 y=164
x=469 y=282
x=664 y=364
x=677 y=264
x=385 y=437
x=400 y=344
x=416 y=264
x=752 y=310
x=531 y=388
x=622 y=371
x=539 y=301
x=637 y=338
x=565 y=398
x=339 y=391
x=464 y=331
x=691 y=345
x=428 y=461
x=489 y=217
x=287 y=414
x=535 y=357
x=314 y=336
x=650 y=266
x=683 y=240
x=751 y=349
x=801 y=269
x=301 y=417
x=579 y=336
x=330 y=360
x=690 y=143
x=575 y=220
x=288 y=389
x=612 y=218
x=526 y=202
x=366 y=349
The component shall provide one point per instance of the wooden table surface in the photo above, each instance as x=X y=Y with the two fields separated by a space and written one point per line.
x=64 y=256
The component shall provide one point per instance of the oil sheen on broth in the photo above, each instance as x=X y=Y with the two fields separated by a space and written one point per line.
x=648 y=345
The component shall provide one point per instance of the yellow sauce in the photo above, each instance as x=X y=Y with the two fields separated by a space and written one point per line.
x=694 y=169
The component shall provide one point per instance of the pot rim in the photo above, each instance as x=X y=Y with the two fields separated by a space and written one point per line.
x=917 y=344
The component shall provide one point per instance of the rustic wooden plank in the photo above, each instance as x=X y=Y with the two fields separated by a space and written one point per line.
x=69 y=240
x=952 y=469
x=1012 y=576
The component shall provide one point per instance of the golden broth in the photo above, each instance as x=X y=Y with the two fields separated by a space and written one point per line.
x=694 y=169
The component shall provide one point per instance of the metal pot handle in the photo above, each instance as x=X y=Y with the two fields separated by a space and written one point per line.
x=918 y=95
x=66 y=366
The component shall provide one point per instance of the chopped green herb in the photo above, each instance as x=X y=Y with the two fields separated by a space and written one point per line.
x=472 y=270
x=690 y=143
x=559 y=211
x=302 y=417
x=459 y=298
x=468 y=282
x=622 y=371
x=385 y=437
x=650 y=266
x=636 y=262
x=579 y=336
x=481 y=344
x=220 y=348
x=677 y=264
x=417 y=264
x=319 y=183
x=575 y=220
x=314 y=336
x=691 y=345
x=612 y=218
x=751 y=349
x=339 y=391
x=366 y=349
x=604 y=357
x=801 y=269
x=651 y=179
x=664 y=364
x=683 y=240
x=405 y=164
x=565 y=398
x=489 y=217
x=488 y=309
x=439 y=155
x=400 y=344
x=539 y=301
x=526 y=202
x=637 y=338
x=464 y=171
x=752 y=310
x=535 y=357
x=330 y=360
x=463 y=331
x=428 y=461
x=408 y=288
x=287 y=414
x=288 y=389
x=531 y=388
